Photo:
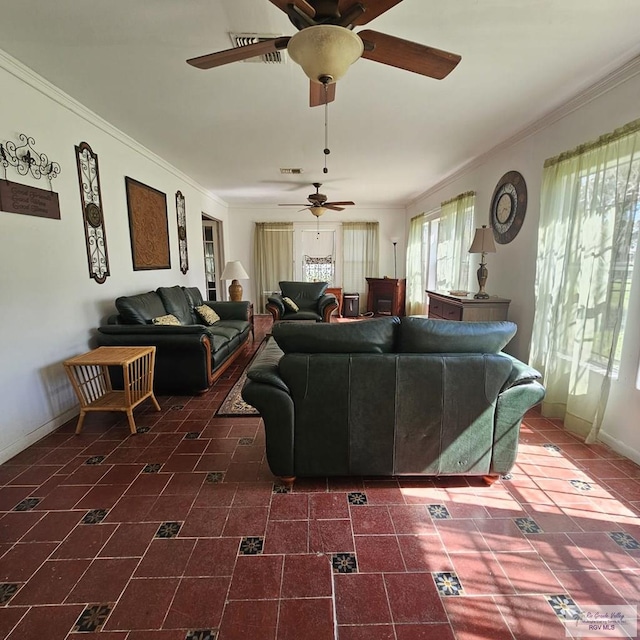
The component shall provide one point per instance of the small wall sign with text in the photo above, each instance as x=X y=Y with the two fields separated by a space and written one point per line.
x=31 y=201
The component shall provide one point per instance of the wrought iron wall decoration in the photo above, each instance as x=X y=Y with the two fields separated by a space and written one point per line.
x=91 y=199
x=182 y=232
x=25 y=159
x=148 y=226
x=25 y=199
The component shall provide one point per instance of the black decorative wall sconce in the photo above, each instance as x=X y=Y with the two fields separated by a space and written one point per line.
x=91 y=198
x=22 y=198
x=182 y=232
x=25 y=159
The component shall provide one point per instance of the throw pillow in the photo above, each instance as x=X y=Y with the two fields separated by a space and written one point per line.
x=169 y=319
x=208 y=315
x=290 y=304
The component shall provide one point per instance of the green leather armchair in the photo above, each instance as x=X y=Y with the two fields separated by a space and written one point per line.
x=302 y=301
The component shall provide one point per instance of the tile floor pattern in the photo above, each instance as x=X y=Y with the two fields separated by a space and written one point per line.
x=181 y=533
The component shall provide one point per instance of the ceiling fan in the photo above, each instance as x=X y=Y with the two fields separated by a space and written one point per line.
x=319 y=203
x=326 y=45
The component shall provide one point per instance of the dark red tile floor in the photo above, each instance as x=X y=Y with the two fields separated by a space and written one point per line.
x=181 y=532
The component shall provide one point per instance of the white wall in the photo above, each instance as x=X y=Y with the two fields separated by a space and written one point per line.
x=50 y=305
x=611 y=104
x=240 y=231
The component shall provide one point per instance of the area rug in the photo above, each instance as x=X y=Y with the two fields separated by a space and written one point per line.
x=233 y=404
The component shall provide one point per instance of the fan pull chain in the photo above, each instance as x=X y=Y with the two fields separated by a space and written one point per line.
x=327 y=151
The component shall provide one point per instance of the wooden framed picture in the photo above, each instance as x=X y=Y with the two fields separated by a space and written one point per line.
x=148 y=226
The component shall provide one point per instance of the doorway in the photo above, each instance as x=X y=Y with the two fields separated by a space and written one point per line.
x=213 y=256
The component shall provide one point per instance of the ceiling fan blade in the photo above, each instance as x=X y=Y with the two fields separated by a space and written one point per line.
x=333 y=207
x=298 y=204
x=373 y=8
x=317 y=93
x=239 y=53
x=346 y=203
x=303 y=5
x=407 y=55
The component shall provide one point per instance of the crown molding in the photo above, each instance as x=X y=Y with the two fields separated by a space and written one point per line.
x=607 y=83
x=23 y=73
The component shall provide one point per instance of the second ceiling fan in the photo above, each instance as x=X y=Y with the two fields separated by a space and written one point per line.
x=326 y=45
x=319 y=203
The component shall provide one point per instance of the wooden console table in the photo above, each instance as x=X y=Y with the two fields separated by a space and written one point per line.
x=89 y=375
x=445 y=306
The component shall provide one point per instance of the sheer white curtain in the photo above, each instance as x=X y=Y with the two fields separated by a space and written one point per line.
x=361 y=257
x=272 y=258
x=416 y=284
x=455 y=234
x=589 y=217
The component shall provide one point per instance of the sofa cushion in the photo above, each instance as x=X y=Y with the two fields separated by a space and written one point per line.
x=207 y=314
x=424 y=335
x=141 y=308
x=168 y=319
x=364 y=336
x=223 y=329
x=193 y=295
x=175 y=302
x=290 y=304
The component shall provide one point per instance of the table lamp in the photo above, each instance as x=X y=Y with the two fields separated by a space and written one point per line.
x=234 y=271
x=483 y=243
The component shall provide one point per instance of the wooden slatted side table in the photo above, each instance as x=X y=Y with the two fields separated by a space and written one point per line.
x=89 y=375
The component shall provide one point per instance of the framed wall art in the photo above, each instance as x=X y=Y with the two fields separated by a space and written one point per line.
x=182 y=232
x=148 y=226
x=95 y=235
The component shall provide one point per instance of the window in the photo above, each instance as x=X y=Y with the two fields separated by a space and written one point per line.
x=455 y=234
x=316 y=253
x=318 y=269
x=438 y=250
x=588 y=236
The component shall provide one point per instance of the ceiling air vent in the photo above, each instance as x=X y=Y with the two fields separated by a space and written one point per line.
x=242 y=39
x=287 y=170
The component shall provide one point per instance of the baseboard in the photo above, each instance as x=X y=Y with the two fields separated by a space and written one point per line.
x=20 y=445
x=620 y=447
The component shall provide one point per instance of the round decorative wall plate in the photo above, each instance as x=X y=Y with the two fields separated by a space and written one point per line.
x=93 y=214
x=508 y=206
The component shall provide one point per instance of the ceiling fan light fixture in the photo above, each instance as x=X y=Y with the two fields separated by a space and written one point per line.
x=317 y=211
x=325 y=51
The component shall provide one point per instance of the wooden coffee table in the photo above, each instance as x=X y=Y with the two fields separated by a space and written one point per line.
x=89 y=375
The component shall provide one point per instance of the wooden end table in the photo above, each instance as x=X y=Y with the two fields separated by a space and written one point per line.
x=89 y=375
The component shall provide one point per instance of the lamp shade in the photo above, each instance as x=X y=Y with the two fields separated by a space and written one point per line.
x=325 y=51
x=483 y=241
x=317 y=211
x=234 y=271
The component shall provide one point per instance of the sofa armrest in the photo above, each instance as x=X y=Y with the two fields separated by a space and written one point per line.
x=327 y=304
x=275 y=306
x=228 y=310
x=183 y=354
x=276 y=301
x=521 y=373
x=265 y=367
x=511 y=406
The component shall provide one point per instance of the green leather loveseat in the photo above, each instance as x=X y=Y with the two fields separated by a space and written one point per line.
x=391 y=396
x=190 y=356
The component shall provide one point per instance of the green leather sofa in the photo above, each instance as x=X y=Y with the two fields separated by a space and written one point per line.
x=391 y=397
x=189 y=357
